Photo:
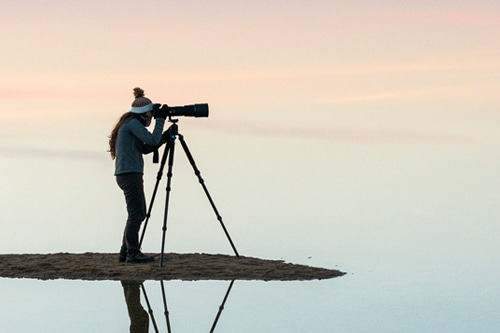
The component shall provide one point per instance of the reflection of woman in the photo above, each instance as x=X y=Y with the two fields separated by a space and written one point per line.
x=139 y=320
x=128 y=141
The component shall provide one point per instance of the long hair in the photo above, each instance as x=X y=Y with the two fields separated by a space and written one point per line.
x=114 y=133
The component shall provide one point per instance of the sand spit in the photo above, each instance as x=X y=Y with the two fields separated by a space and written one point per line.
x=105 y=266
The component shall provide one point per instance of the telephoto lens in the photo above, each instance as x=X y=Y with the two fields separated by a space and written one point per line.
x=193 y=110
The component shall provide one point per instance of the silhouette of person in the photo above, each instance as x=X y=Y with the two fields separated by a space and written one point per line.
x=128 y=141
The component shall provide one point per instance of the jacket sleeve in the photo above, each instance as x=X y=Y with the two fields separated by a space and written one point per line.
x=148 y=139
x=146 y=149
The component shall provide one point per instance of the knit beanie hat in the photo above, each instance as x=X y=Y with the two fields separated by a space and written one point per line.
x=141 y=104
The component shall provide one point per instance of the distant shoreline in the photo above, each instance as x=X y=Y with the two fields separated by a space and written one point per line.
x=105 y=266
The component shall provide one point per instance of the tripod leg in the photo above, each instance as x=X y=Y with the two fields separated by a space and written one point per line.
x=158 y=178
x=171 y=144
x=202 y=182
x=150 y=310
x=221 y=307
x=169 y=330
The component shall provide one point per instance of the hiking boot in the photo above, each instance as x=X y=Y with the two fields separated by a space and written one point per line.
x=139 y=258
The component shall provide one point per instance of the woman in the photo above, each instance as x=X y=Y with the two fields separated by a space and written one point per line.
x=128 y=141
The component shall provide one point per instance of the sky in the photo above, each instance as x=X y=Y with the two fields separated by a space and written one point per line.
x=304 y=95
x=317 y=52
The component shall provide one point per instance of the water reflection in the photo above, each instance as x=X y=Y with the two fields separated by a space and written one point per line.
x=139 y=322
x=139 y=319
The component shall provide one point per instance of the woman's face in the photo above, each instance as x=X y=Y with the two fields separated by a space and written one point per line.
x=147 y=118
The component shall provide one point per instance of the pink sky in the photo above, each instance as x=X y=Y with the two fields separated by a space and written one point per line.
x=292 y=57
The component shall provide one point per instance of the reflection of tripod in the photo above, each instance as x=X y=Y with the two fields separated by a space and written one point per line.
x=167 y=313
x=169 y=152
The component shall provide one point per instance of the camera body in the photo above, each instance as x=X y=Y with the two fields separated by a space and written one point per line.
x=192 y=110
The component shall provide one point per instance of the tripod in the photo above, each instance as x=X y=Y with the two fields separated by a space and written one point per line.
x=169 y=152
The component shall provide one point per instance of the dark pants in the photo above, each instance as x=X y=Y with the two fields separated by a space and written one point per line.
x=132 y=185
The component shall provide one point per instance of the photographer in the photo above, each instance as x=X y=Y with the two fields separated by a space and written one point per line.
x=128 y=141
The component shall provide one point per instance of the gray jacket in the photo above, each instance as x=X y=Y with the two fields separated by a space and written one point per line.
x=132 y=142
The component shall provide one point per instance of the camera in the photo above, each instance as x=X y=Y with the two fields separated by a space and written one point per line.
x=192 y=110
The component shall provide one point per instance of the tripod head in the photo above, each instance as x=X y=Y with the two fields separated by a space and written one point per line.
x=173 y=130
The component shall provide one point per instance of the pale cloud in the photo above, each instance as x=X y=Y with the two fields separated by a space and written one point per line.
x=433 y=92
x=487 y=17
x=101 y=85
x=58 y=153
x=332 y=134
